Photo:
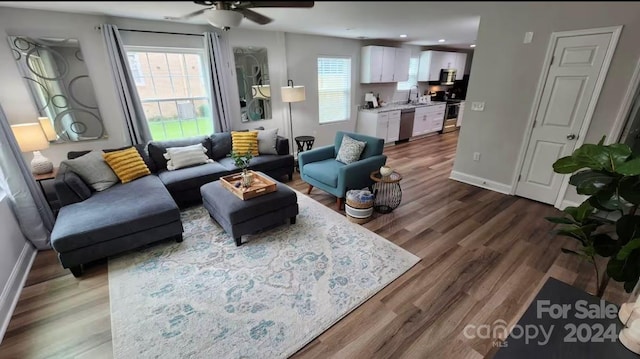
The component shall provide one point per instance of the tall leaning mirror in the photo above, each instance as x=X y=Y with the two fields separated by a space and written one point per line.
x=58 y=81
x=252 y=71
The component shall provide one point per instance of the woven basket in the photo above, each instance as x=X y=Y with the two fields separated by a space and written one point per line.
x=358 y=220
x=358 y=215
x=360 y=205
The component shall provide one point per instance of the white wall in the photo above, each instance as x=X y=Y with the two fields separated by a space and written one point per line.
x=505 y=74
x=16 y=257
x=302 y=56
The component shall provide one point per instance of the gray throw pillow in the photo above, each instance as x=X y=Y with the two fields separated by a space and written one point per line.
x=350 y=150
x=93 y=170
x=267 y=141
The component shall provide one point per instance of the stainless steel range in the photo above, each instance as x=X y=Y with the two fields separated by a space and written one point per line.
x=451 y=115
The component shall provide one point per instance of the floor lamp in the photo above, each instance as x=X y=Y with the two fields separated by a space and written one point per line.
x=291 y=94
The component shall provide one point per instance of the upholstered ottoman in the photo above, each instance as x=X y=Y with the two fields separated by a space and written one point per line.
x=239 y=217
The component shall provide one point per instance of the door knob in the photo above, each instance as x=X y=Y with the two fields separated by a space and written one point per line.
x=571 y=136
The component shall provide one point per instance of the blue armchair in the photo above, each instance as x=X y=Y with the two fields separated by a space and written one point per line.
x=319 y=168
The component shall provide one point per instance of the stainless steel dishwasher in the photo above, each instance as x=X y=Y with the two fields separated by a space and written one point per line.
x=406 y=123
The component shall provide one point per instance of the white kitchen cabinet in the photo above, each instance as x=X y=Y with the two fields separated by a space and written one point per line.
x=461 y=62
x=428 y=119
x=424 y=63
x=420 y=123
x=431 y=62
x=460 y=113
x=384 y=64
x=371 y=64
x=388 y=64
x=401 y=68
x=393 y=129
x=448 y=60
x=384 y=125
x=435 y=116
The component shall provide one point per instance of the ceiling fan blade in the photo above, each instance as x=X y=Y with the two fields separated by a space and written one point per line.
x=187 y=16
x=254 y=16
x=252 y=4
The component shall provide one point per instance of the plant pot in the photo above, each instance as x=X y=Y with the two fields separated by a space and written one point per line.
x=247 y=179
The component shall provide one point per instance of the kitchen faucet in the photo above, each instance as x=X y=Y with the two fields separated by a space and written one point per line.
x=417 y=93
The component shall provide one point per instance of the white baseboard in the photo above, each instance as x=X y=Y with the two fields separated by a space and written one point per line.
x=11 y=293
x=480 y=182
x=566 y=203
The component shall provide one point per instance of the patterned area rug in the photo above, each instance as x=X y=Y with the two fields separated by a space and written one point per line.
x=207 y=298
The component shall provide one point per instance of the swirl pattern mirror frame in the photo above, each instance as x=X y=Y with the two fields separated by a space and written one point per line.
x=59 y=83
x=252 y=71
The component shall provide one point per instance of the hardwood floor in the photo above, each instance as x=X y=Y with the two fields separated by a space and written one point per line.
x=484 y=257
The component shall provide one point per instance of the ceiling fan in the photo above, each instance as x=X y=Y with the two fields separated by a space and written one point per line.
x=228 y=14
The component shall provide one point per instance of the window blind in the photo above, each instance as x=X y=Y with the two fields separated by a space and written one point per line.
x=334 y=88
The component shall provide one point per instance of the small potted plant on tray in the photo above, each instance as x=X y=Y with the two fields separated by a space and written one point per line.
x=242 y=161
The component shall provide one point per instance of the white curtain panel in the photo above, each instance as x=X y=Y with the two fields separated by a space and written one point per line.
x=27 y=200
x=217 y=53
x=125 y=84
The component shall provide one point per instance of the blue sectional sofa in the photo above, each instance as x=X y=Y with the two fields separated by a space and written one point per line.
x=93 y=225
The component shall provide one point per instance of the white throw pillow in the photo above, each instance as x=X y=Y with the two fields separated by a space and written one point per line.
x=267 y=140
x=180 y=157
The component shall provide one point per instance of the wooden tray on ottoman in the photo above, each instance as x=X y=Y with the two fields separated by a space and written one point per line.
x=261 y=185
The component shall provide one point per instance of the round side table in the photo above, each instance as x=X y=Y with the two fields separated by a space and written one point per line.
x=304 y=141
x=387 y=191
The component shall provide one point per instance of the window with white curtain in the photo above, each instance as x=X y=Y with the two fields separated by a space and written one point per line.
x=334 y=89
x=413 y=76
x=172 y=86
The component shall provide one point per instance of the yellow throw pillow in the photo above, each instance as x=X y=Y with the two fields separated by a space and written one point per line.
x=243 y=141
x=127 y=164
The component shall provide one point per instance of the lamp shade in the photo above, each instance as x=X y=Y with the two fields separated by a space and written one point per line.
x=261 y=91
x=48 y=129
x=293 y=94
x=224 y=18
x=30 y=137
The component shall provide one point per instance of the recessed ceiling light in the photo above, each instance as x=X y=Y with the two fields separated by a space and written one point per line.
x=403 y=35
x=472 y=45
x=441 y=40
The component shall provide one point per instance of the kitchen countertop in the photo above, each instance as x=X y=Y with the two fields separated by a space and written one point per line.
x=401 y=106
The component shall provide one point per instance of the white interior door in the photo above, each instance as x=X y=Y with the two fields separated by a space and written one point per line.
x=568 y=91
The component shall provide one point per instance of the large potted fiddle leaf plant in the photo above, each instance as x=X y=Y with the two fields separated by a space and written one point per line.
x=610 y=176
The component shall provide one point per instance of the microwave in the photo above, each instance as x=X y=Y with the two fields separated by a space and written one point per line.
x=447 y=76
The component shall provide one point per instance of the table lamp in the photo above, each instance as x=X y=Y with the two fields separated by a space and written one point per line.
x=291 y=94
x=31 y=137
x=48 y=129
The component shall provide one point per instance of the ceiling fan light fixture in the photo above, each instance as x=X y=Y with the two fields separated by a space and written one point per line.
x=224 y=19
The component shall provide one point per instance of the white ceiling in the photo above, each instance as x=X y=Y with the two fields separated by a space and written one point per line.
x=424 y=22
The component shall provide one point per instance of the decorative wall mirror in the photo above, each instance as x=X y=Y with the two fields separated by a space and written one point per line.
x=58 y=80
x=252 y=70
